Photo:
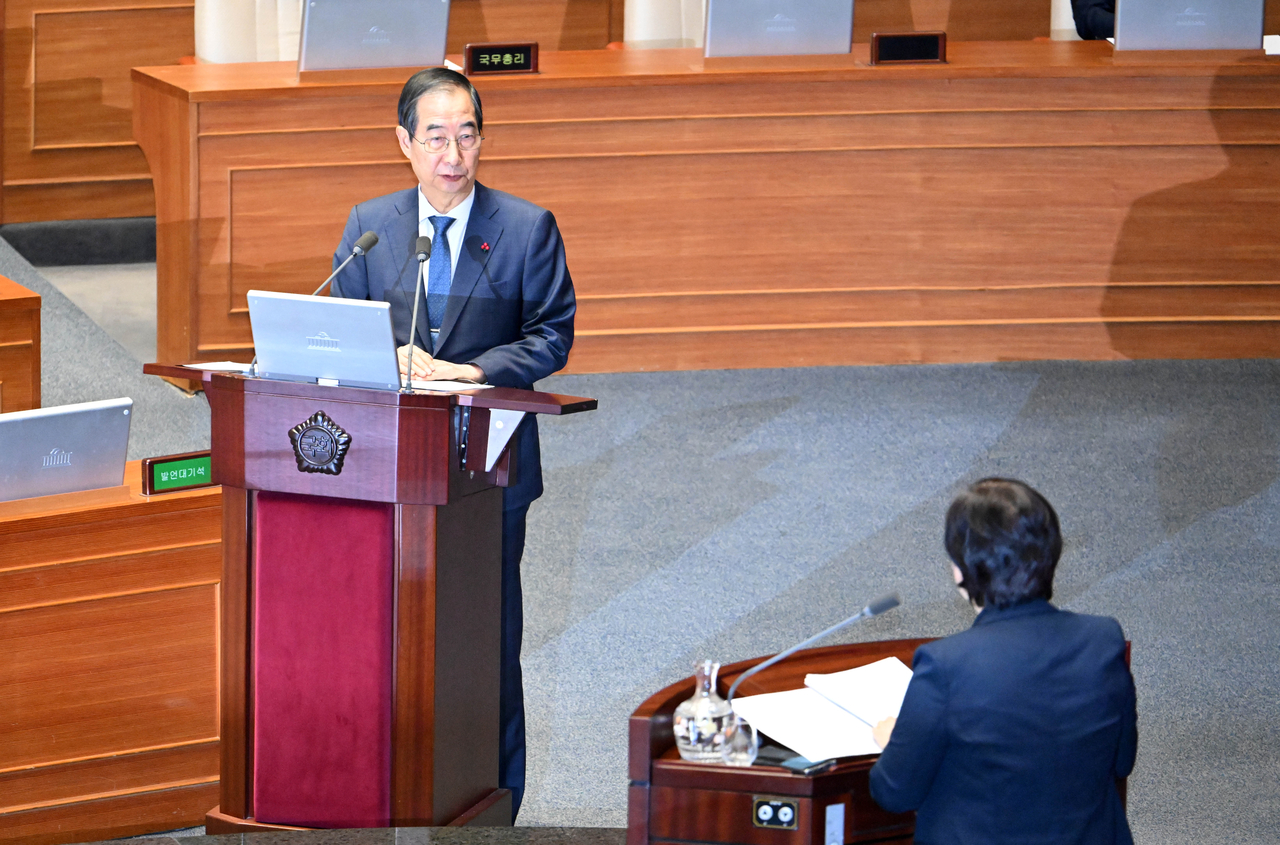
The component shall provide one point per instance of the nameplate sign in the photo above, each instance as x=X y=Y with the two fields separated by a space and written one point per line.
x=519 y=57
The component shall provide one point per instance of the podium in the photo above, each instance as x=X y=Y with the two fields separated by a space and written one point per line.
x=672 y=800
x=360 y=605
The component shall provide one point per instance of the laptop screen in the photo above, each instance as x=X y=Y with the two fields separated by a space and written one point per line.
x=64 y=449
x=778 y=27
x=1189 y=24
x=308 y=338
x=345 y=34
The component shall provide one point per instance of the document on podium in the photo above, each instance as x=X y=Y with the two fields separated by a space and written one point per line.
x=873 y=692
x=832 y=715
x=807 y=723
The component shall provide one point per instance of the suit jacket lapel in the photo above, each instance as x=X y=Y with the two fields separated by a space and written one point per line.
x=481 y=229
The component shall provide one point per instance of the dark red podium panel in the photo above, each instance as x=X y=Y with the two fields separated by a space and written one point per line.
x=323 y=677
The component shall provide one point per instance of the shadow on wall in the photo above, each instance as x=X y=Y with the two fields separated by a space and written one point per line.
x=1224 y=229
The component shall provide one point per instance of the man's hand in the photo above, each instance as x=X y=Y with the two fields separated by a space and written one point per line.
x=444 y=371
x=883 y=730
x=426 y=368
x=423 y=364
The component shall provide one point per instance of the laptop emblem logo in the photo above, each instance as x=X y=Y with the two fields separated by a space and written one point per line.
x=780 y=23
x=323 y=343
x=377 y=35
x=319 y=444
x=57 y=458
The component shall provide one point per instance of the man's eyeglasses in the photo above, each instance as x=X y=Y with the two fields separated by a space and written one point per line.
x=439 y=143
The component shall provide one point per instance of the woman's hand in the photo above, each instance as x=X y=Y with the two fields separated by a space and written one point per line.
x=881 y=732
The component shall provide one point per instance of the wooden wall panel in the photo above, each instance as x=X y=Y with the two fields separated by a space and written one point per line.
x=124 y=815
x=900 y=210
x=68 y=146
x=962 y=20
x=19 y=347
x=277 y=257
x=554 y=24
x=82 y=96
x=108 y=648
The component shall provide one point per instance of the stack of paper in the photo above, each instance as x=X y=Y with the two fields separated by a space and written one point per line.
x=873 y=692
x=833 y=714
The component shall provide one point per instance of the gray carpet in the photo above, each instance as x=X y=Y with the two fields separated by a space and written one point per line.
x=80 y=362
x=730 y=514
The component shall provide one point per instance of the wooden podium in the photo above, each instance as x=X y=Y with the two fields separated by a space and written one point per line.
x=672 y=800
x=360 y=601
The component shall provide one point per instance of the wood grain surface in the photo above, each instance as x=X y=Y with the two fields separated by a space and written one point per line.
x=68 y=145
x=108 y=621
x=1027 y=200
x=68 y=148
x=19 y=347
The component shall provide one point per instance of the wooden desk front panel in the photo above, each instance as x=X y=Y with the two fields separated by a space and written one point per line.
x=108 y=632
x=1052 y=208
x=19 y=347
x=69 y=151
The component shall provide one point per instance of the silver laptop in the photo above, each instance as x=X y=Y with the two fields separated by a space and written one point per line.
x=64 y=449
x=344 y=34
x=778 y=27
x=323 y=339
x=1189 y=24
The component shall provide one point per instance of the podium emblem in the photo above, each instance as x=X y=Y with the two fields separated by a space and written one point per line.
x=319 y=444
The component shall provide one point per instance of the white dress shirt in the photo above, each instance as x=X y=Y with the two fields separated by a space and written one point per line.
x=461 y=213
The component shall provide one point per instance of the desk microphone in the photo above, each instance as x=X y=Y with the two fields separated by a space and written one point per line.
x=363 y=244
x=876 y=607
x=422 y=251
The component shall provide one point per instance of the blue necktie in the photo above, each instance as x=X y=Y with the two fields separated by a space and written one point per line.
x=439 y=276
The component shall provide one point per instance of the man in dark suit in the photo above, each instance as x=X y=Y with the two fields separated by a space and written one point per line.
x=1095 y=19
x=1015 y=730
x=498 y=308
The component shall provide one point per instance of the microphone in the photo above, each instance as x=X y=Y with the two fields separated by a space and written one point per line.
x=363 y=244
x=422 y=251
x=876 y=607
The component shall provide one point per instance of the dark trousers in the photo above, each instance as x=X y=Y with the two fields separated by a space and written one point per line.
x=511 y=690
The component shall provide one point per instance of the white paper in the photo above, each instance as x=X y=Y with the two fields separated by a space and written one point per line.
x=1271 y=44
x=219 y=367
x=446 y=386
x=872 y=693
x=808 y=724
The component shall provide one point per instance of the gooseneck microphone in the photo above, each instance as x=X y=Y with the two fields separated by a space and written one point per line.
x=422 y=251
x=363 y=244
x=876 y=607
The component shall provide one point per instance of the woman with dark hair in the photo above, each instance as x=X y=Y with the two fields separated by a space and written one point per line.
x=1016 y=729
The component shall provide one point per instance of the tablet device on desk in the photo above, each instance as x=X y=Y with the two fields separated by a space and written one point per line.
x=349 y=34
x=324 y=339
x=778 y=27
x=64 y=449
x=1189 y=24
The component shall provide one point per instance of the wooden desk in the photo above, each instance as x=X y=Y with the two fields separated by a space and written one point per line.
x=108 y=618
x=19 y=347
x=672 y=800
x=1027 y=200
